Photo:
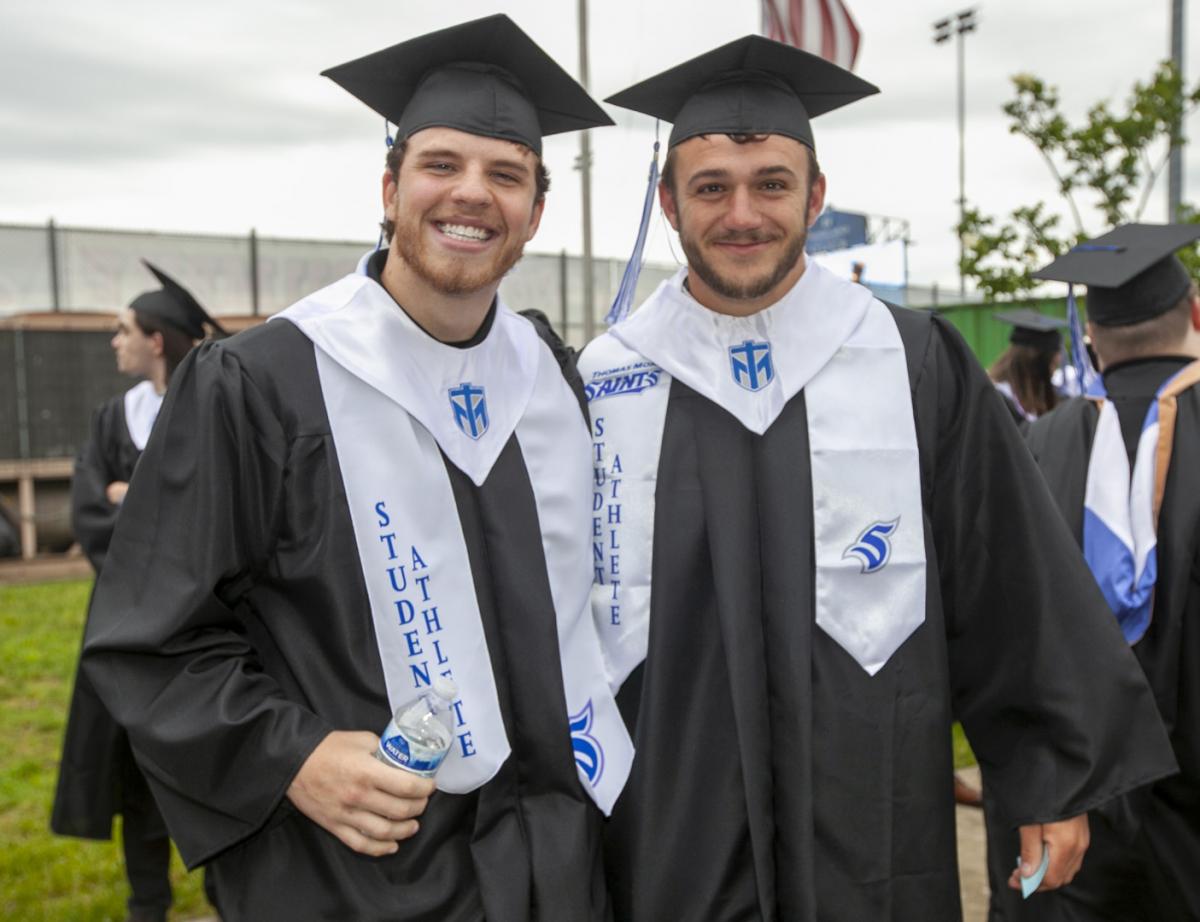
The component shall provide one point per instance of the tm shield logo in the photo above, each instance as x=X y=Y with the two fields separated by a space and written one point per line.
x=470 y=409
x=872 y=549
x=751 y=365
x=589 y=754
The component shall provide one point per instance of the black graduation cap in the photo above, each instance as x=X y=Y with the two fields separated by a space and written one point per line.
x=750 y=86
x=485 y=77
x=1033 y=329
x=174 y=305
x=1132 y=273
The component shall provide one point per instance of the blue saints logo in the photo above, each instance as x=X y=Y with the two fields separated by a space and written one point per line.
x=872 y=549
x=589 y=754
x=751 y=364
x=616 y=385
x=470 y=409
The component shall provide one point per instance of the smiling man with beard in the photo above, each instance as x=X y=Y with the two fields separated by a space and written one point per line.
x=818 y=538
x=386 y=484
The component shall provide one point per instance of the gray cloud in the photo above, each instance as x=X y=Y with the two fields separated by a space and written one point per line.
x=101 y=101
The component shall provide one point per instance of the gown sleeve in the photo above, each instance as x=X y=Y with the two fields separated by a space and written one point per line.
x=93 y=517
x=215 y=735
x=1052 y=699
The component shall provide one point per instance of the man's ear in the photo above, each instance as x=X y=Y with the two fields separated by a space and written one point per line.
x=667 y=200
x=1195 y=310
x=816 y=199
x=538 y=207
x=388 y=189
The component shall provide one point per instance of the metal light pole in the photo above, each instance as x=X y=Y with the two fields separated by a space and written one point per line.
x=959 y=24
x=584 y=164
x=1175 y=164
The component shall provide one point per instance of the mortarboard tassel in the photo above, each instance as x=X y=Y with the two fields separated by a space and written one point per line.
x=623 y=302
x=390 y=142
x=1087 y=381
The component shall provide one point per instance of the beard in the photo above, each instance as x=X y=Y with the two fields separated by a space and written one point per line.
x=450 y=275
x=742 y=288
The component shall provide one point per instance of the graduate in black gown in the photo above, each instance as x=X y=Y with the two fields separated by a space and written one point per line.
x=387 y=482
x=1126 y=465
x=818 y=539
x=1024 y=372
x=98 y=777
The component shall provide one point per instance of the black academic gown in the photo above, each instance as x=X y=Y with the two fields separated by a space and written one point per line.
x=108 y=456
x=1144 y=863
x=97 y=777
x=247 y=637
x=774 y=778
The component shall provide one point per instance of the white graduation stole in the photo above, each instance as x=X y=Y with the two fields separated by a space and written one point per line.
x=141 y=404
x=1120 y=509
x=840 y=345
x=396 y=399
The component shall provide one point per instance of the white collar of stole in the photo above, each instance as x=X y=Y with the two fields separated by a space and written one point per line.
x=700 y=347
x=142 y=404
x=470 y=399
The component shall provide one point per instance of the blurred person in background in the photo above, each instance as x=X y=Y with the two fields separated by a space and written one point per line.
x=1024 y=371
x=1123 y=469
x=98 y=777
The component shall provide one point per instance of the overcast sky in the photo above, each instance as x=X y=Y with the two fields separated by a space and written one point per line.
x=210 y=116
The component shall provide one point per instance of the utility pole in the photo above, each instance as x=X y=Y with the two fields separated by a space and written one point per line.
x=1175 y=164
x=959 y=25
x=584 y=164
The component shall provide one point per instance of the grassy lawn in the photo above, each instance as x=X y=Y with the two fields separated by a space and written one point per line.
x=962 y=750
x=44 y=876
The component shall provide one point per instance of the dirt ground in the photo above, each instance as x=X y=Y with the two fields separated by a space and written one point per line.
x=972 y=856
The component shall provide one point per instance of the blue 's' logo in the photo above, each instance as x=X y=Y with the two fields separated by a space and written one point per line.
x=751 y=365
x=589 y=754
x=470 y=409
x=872 y=549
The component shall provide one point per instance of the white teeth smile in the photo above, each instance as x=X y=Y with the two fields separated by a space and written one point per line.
x=463 y=232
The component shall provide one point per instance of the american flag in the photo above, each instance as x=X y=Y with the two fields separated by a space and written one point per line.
x=822 y=27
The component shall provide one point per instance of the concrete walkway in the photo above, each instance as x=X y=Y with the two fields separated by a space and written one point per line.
x=972 y=856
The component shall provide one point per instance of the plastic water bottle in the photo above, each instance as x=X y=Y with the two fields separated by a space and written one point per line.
x=421 y=731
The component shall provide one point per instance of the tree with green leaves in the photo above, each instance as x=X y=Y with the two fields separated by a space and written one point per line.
x=1111 y=161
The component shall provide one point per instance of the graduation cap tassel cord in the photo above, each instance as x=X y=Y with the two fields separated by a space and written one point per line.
x=390 y=142
x=1087 y=381
x=633 y=269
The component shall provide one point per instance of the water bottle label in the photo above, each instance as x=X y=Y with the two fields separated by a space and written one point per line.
x=400 y=752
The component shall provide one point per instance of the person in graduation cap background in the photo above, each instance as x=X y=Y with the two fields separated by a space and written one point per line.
x=1123 y=470
x=818 y=541
x=387 y=483
x=98 y=777
x=1024 y=372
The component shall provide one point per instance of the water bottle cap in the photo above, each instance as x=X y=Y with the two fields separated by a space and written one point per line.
x=445 y=688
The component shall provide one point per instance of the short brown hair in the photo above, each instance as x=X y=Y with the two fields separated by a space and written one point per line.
x=395 y=157
x=668 y=170
x=1159 y=335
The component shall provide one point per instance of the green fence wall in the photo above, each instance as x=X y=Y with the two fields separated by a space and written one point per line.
x=988 y=337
